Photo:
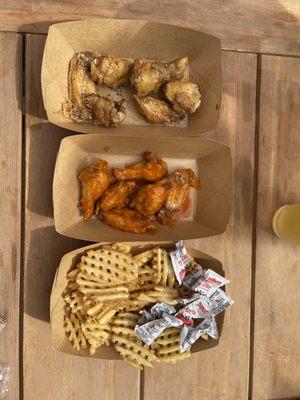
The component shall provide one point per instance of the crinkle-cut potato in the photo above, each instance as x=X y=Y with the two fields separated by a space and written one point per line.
x=169 y=343
x=73 y=328
x=105 y=292
x=121 y=247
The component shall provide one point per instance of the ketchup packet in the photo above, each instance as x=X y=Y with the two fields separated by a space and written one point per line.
x=180 y=261
x=189 y=335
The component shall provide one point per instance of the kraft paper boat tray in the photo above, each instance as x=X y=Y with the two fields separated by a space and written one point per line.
x=59 y=339
x=211 y=205
x=133 y=39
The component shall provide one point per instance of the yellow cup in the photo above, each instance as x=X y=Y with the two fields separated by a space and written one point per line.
x=286 y=223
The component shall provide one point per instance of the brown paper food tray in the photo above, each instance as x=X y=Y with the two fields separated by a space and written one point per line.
x=133 y=39
x=59 y=339
x=210 y=160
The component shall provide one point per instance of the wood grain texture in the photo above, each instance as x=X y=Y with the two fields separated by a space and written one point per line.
x=10 y=209
x=222 y=373
x=50 y=375
x=276 y=372
x=271 y=26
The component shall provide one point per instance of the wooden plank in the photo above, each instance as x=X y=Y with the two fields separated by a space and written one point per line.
x=222 y=372
x=271 y=26
x=10 y=209
x=47 y=374
x=276 y=372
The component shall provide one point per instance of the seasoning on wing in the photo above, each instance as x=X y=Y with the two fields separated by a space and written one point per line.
x=147 y=76
x=116 y=195
x=95 y=179
x=177 y=199
x=105 y=111
x=184 y=95
x=156 y=111
x=109 y=70
x=150 y=198
x=152 y=170
x=80 y=82
x=128 y=220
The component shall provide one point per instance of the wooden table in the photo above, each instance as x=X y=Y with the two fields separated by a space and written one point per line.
x=259 y=353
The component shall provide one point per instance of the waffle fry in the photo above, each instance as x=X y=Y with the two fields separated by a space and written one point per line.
x=75 y=301
x=121 y=247
x=106 y=293
x=110 y=266
x=136 y=352
x=145 y=257
x=96 y=334
x=161 y=263
x=155 y=294
x=73 y=328
x=169 y=342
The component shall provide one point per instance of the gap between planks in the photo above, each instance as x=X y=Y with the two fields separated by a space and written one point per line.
x=22 y=241
x=254 y=222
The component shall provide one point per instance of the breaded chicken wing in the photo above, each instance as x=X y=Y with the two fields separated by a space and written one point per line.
x=147 y=76
x=127 y=220
x=109 y=70
x=150 y=198
x=95 y=179
x=116 y=195
x=106 y=112
x=152 y=170
x=156 y=111
x=184 y=95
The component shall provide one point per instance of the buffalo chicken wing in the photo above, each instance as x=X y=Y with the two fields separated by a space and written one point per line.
x=177 y=200
x=150 y=198
x=151 y=170
x=116 y=195
x=128 y=220
x=95 y=179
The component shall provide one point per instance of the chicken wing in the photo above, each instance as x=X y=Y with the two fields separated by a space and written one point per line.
x=177 y=199
x=152 y=170
x=95 y=179
x=116 y=195
x=109 y=70
x=106 y=112
x=150 y=198
x=80 y=82
x=147 y=76
x=183 y=176
x=128 y=220
x=184 y=95
x=156 y=111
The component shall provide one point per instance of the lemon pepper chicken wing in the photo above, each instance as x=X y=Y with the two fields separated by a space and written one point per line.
x=152 y=170
x=184 y=95
x=116 y=195
x=147 y=76
x=109 y=70
x=105 y=111
x=128 y=220
x=156 y=111
x=182 y=180
x=150 y=198
x=80 y=82
x=95 y=179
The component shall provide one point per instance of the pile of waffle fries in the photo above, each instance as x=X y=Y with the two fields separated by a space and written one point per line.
x=103 y=297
